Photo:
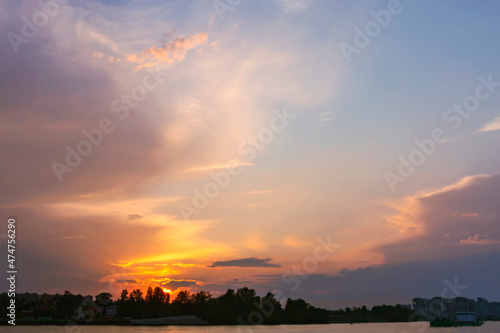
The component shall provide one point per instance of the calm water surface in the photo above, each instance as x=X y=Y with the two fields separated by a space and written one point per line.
x=335 y=328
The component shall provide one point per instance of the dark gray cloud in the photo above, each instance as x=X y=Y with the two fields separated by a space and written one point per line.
x=174 y=284
x=237 y=281
x=126 y=281
x=133 y=217
x=246 y=262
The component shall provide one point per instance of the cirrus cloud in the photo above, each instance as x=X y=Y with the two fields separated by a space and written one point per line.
x=169 y=52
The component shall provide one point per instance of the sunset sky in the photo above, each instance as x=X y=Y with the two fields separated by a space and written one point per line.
x=196 y=146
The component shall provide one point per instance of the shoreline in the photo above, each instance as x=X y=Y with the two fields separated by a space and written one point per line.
x=111 y=323
x=121 y=323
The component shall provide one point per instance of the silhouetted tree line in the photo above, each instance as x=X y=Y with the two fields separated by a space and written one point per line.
x=379 y=313
x=57 y=306
x=243 y=306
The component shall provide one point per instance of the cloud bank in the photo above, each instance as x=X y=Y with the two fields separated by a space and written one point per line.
x=246 y=262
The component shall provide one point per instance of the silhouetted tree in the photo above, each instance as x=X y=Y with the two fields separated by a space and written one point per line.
x=200 y=304
x=104 y=299
x=138 y=304
x=67 y=304
x=272 y=310
x=300 y=312
x=225 y=309
x=124 y=295
x=124 y=304
x=392 y=313
x=182 y=303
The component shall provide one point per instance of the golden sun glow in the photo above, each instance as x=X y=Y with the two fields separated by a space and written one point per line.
x=166 y=290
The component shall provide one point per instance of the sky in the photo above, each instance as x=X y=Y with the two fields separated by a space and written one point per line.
x=340 y=152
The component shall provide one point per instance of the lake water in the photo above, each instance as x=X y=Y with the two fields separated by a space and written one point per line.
x=332 y=328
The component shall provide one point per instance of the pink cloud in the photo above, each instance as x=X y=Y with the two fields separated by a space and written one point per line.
x=169 y=52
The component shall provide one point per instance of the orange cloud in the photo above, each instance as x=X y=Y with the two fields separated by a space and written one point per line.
x=69 y=237
x=169 y=52
x=97 y=55
x=224 y=165
x=494 y=125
